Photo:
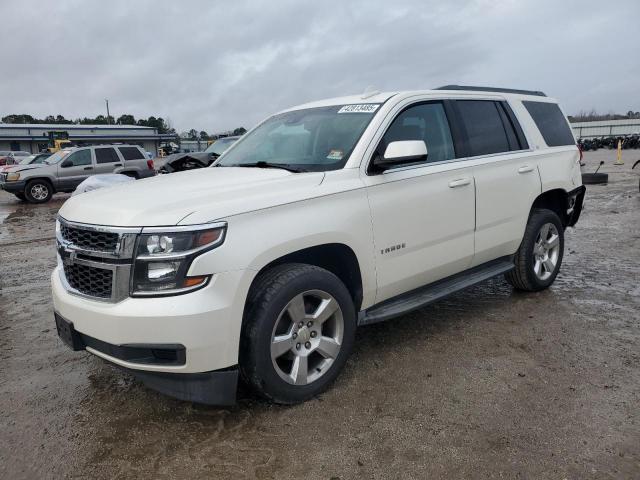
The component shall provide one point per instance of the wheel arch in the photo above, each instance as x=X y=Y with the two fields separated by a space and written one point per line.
x=556 y=200
x=46 y=179
x=337 y=258
x=129 y=172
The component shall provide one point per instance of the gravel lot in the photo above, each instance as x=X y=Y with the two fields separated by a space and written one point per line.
x=487 y=384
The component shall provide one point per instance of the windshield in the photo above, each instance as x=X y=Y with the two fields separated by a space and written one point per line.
x=56 y=157
x=219 y=146
x=27 y=160
x=314 y=139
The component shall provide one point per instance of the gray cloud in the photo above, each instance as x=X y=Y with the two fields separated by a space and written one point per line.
x=215 y=65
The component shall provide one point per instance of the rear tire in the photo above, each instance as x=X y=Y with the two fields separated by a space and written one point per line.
x=297 y=334
x=539 y=257
x=38 y=191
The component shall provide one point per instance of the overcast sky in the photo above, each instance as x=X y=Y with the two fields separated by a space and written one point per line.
x=216 y=65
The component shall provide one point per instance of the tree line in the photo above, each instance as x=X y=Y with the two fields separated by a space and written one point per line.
x=159 y=123
x=193 y=134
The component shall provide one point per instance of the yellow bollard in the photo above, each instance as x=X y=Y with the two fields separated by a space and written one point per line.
x=619 y=159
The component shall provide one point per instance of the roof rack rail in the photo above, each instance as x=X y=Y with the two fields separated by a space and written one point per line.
x=492 y=89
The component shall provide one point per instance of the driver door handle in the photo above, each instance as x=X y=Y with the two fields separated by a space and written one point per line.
x=525 y=169
x=88 y=168
x=118 y=165
x=461 y=182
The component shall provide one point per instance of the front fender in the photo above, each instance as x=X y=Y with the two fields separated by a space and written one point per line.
x=256 y=239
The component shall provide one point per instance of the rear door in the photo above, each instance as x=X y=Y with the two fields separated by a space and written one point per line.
x=107 y=160
x=506 y=176
x=135 y=159
x=80 y=166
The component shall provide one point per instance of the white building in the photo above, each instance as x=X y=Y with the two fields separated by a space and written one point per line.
x=34 y=137
x=605 y=128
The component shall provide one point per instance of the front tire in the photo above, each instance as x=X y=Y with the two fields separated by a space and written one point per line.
x=297 y=333
x=539 y=257
x=38 y=191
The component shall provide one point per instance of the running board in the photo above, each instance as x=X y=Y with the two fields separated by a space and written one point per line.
x=422 y=296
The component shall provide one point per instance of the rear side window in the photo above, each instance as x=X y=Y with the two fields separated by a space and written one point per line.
x=427 y=122
x=131 y=153
x=486 y=130
x=551 y=122
x=106 y=155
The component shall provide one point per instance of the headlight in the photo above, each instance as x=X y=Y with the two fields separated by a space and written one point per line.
x=13 y=176
x=164 y=255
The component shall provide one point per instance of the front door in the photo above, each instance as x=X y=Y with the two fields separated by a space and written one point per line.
x=423 y=215
x=78 y=166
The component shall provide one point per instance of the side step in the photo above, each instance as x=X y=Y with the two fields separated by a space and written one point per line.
x=422 y=296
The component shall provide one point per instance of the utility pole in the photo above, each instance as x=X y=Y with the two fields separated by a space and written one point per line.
x=107 y=102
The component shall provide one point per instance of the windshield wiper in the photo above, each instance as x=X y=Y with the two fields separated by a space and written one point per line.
x=263 y=164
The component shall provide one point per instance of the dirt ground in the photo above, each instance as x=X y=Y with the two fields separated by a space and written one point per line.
x=487 y=384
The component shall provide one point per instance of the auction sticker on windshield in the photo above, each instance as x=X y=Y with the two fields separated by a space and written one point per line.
x=360 y=108
x=335 y=155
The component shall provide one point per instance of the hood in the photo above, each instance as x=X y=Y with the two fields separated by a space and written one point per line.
x=194 y=196
x=20 y=168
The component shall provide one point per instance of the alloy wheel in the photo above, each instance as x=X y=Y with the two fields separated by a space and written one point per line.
x=307 y=337
x=39 y=191
x=546 y=251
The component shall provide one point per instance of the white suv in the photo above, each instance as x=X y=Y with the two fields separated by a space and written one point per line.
x=324 y=217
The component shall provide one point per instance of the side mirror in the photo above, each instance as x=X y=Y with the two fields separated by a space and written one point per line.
x=67 y=163
x=401 y=152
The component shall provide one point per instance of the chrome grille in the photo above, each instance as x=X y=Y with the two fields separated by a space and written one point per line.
x=89 y=239
x=96 y=260
x=96 y=282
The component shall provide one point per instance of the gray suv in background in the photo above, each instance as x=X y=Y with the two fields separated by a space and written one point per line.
x=66 y=169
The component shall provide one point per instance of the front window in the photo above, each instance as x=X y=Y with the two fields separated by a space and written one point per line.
x=314 y=139
x=80 y=158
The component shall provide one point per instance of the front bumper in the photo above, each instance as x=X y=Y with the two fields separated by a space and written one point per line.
x=205 y=322
x=209 y=388
x=13 y=187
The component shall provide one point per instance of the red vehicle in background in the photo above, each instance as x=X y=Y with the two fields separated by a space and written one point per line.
x=35 y=159
x=11 y=158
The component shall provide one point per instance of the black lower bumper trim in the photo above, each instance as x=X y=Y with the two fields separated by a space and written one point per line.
x=209 y=388
x=13 y=187
x=144 y=354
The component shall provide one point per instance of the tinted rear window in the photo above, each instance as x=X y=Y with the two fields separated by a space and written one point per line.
x=551 y=122
x=131 y=153
x=106 y=155
x=485 y=129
